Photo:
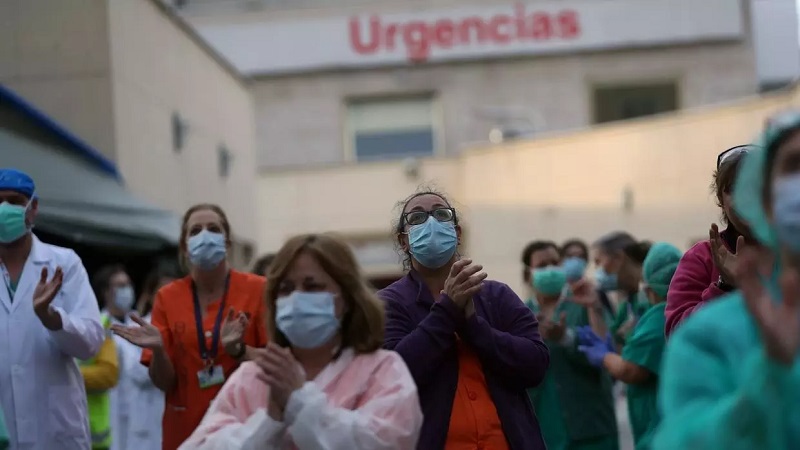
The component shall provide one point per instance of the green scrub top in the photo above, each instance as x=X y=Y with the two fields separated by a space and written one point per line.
x=574 y=403
x=644 y=347
x=636 y=303
x=720 y=391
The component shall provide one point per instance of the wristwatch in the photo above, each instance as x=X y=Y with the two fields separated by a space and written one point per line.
x=240 y=352
x=724 y=286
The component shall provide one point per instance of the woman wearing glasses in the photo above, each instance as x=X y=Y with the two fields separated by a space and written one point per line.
x=471 y=344
x=742 y=387
x=707 y=270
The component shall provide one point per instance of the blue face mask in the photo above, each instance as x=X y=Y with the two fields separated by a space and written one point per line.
x=549 y=281
x=307 y=319
x=207 y=249
x=12 y=222
x=786 y=210
x=574 y=268
x=433 y=243
x=124 y=298
x=606 y=281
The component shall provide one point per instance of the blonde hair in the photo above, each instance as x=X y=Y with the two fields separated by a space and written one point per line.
x=363 y=321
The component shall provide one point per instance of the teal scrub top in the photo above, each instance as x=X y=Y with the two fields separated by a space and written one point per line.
x=645 y=347
x=720 y=391
x=4 y=441
x=636 y=303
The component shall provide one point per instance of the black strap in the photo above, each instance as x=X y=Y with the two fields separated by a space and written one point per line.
x=205 y=353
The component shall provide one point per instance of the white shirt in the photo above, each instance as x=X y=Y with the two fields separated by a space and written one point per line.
x=137 y=406
x=41 y=389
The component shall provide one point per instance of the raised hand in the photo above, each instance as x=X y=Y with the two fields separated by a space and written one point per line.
x=43 y=297
x=778 y=321
x=724 y=260
x=232 y=331
x=144 y=335
x=550 y=329
x=584 y=293
x=464 y=281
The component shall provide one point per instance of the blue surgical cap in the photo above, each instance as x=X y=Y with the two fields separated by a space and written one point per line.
x=17 y=181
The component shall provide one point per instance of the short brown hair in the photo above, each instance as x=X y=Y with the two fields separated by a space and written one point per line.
x=226 y=226
x=363 y=321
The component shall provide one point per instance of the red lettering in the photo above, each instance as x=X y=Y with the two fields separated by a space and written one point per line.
x=374 y=36
x=568 y=24
x=391 y=36
x=444 y=32
x=415 y=36
x=541 y=26
x=498 y=34
x=420 y=38
x=472 y=26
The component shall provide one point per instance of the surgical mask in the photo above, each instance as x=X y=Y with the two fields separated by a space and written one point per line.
x=207 y=249
x=574 y=268
x=433 y=243
x=606 y=281
x=549 y=281
x=307 y=319
x=12 y=222
x=124 y=298
x=786 y=210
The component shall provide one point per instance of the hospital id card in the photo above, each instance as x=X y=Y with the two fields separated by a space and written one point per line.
x=211 y=377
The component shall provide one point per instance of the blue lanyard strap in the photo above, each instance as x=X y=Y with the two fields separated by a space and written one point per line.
x=209 y=355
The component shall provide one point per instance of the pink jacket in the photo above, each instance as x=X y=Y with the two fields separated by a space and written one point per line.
x=694 y=283
x=368 y=401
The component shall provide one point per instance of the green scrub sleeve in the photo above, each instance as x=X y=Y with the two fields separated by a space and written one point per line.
x=645 y=346
x=713 y=403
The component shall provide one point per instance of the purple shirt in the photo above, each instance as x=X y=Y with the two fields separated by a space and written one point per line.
x=504 y=334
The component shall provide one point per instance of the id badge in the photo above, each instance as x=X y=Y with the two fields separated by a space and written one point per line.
x=211 y=377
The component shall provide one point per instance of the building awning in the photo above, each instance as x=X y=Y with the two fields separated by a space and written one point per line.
x=81 y=203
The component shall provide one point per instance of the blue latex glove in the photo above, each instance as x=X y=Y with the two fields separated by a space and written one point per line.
x=593 y=346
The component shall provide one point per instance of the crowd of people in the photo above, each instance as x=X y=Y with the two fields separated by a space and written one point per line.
x=305 y=354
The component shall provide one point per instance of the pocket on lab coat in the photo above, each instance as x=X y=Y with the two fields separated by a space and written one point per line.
x=67 y=411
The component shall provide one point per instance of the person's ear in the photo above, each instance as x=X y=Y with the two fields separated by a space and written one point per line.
x=30 y=215
x=402 y=240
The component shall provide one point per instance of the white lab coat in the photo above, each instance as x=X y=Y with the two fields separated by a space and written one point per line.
x=41 y=389
x=137 y=405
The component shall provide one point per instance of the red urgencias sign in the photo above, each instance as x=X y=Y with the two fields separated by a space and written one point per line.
x=419 y=38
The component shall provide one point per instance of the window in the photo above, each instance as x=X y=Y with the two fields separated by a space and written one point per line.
x=629 y=102
x=178 y=132
x=224 y=161
x=386 y=129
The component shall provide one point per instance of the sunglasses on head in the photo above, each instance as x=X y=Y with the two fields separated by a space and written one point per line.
x=731 y=153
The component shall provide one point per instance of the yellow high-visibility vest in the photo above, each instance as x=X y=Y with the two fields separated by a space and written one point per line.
x=99 y=406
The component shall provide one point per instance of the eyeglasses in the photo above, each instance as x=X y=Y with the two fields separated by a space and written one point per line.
x=733 y=152
x=420 y=217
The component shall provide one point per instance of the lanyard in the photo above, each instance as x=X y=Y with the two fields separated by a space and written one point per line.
x=209 y=355
x=7 y=278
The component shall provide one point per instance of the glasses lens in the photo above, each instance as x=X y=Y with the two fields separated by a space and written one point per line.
x=443 y=214
x=416 y=217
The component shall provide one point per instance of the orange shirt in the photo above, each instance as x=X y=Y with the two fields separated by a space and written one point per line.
x=173 y=314
x=474 y=423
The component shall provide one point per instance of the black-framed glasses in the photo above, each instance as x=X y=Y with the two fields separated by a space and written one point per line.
x=733 y=152
x=419 y=217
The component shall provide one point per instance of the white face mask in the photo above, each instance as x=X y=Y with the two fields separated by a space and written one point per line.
x=124 y=298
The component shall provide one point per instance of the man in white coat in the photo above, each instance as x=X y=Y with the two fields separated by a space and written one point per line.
x=48 y=318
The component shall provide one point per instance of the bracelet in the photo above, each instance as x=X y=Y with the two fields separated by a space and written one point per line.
x=724 y=286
